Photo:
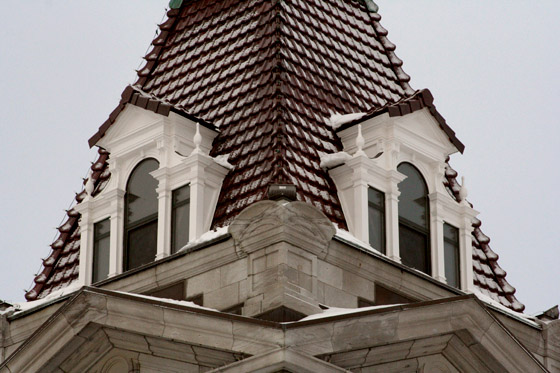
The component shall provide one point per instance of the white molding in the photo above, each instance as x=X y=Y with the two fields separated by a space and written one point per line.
x=136 y=135
x=352 y=181
x=417 y=139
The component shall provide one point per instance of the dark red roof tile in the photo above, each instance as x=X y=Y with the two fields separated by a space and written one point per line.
x=267 y=74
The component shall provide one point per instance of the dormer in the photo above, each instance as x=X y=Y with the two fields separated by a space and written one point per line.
x=162 y=191
x=393 y=194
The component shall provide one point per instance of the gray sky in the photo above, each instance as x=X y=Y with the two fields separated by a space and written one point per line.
x=491 y=66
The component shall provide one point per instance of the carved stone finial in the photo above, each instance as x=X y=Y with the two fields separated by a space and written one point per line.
x=464 y=192
x=360 y=141
x=197 y=140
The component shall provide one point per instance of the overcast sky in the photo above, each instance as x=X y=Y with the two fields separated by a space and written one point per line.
x=492 y=67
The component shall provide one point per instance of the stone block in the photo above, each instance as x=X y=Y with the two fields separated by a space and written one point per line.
x=255 y=339
x=320 y=292
x=429 y=346
x=193 y=328
x=329 y=274
x=389 y=352
x=403 y=366
x=300 y=263
x=258 y=264
x=357 y=285
x=233 y=272
x=365 y=331
x=222 y=298
x=133 y=315
x=128 y=341
x=337 y=298
x=243 y=290
x=203 y=283
x=172 y=350
x=262 y=280
x=154 y=364
x=273 y=258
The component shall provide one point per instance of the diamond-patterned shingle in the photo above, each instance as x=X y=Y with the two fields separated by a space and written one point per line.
x=267 y=73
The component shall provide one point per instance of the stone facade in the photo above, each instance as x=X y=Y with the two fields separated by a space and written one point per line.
x=276 y=256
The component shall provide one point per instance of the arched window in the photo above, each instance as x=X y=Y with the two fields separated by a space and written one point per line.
x=141 y=216
x=414 y=219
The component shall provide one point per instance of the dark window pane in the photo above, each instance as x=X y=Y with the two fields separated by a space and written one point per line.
x=376 y=225
x=365 y=303
x=142 y=245
x=197 y=299
x=141 y=196
x=376 y=219
x=414 y=222
x=102 y=228
x=175 y=291
x=450 y=233
x=414 y=249
x=180 y=227
x=451 y=255
x=101 y=246
x=413 y=201
x=182 y=194
x=384 y=296
x=376 y=198
x=141 y=215
x=180 y=218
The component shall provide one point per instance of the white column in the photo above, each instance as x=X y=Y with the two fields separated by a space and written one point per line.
x=465 y=249
x=86 y=243
x=164 y=213
x=392 y=220
x=117 y=230
x=361 y=224
x=437 y=251
x=205 y=177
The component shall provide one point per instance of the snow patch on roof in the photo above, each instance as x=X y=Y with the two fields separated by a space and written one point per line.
x=222 y=160
x=167 y=300
x=333 y=311
x=337 y=120
x=26 y=306
x=517 y=315
x=347 y=236
x=207 y=237
x=334 y=159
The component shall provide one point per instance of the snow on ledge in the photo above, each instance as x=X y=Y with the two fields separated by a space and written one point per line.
x=26 y=306
x=333 y=311
x=337 y=120
x=222 y=160
x=347 y=236
x=207 y=237
x=166 y=300
x=334 y=159
x=518 y=315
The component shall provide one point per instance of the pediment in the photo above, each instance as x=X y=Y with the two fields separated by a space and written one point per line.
x=136 y=129
x=419 y=132
x=100 y=330
x=133 y=125
x=102 y=349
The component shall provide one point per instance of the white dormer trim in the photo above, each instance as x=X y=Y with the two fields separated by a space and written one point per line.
x=415 y=138
x=352 y=181
x=136 y=135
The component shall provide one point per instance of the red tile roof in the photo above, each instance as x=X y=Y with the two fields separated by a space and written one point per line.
x=267 y=73
x=62 y=266
x=488 y=276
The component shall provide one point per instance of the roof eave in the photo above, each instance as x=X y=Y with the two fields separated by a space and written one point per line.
x=133 y=96
x=421 y=99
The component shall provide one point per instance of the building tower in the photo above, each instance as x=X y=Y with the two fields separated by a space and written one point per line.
x=271 y=195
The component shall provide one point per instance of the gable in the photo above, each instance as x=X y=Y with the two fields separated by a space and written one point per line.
x=98 y=328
